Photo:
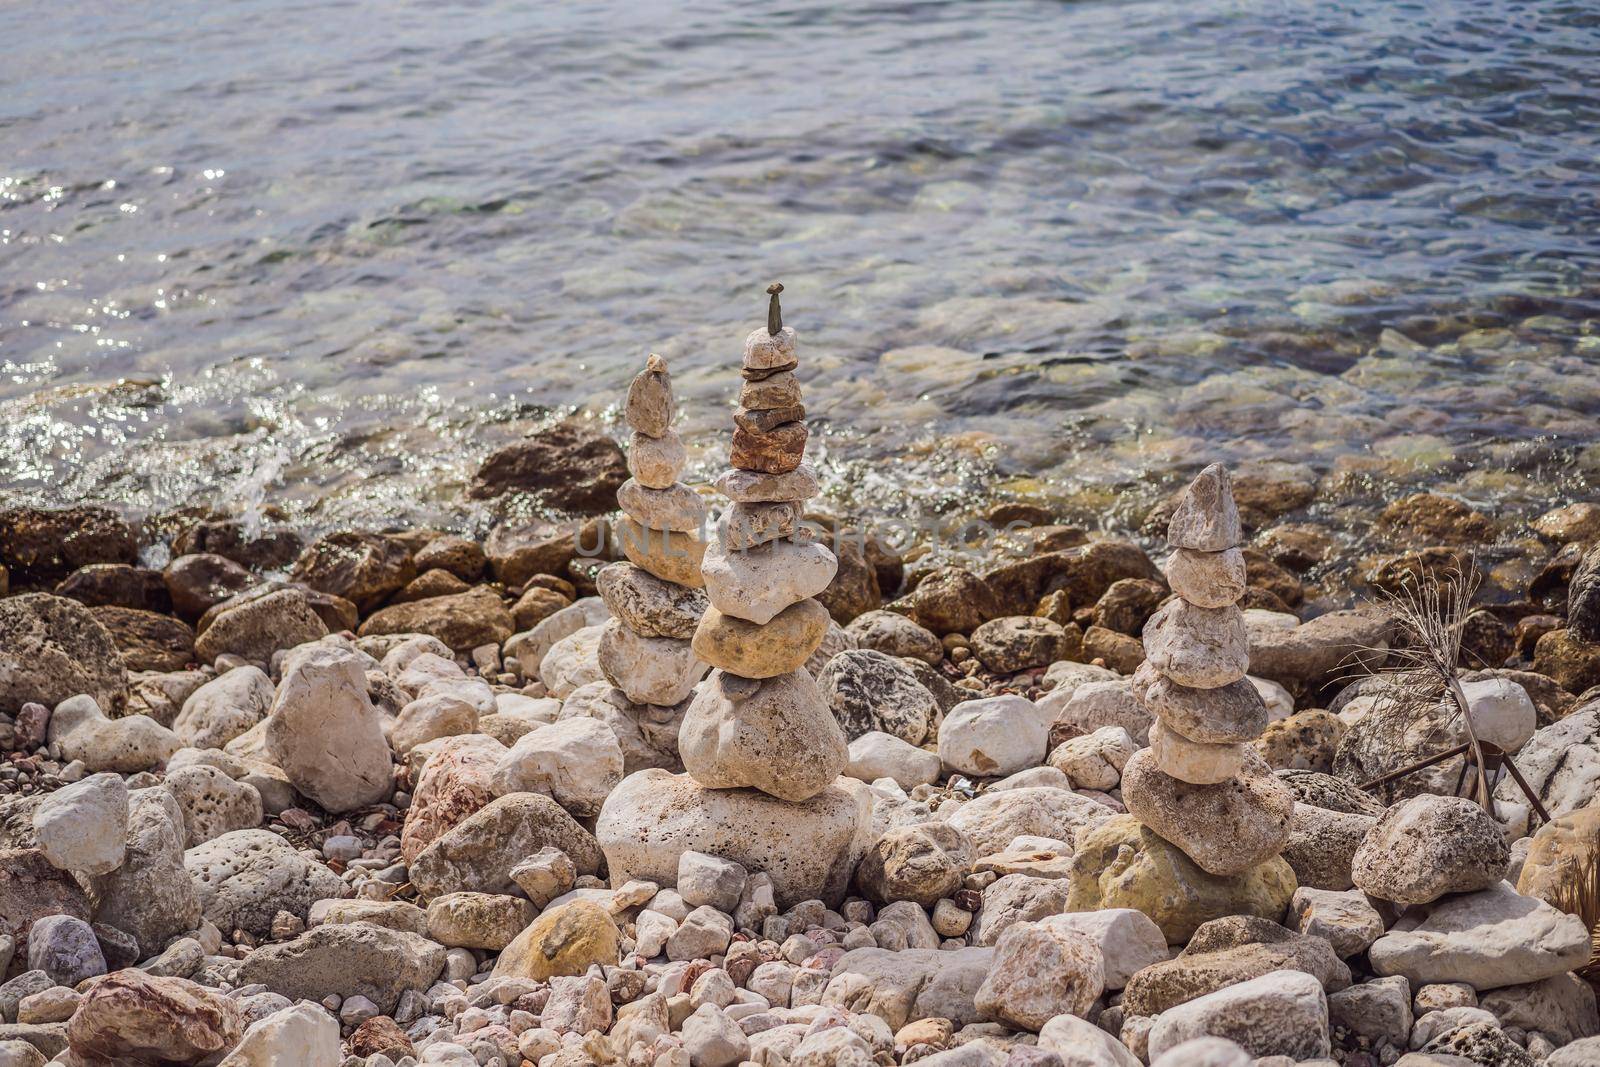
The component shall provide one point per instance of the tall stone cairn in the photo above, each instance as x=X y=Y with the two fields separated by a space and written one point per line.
x=654 y=598
x=1200 y=784
x=759 y=720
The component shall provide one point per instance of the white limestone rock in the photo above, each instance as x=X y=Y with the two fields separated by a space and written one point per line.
x=1207 y=579
x=1128 y=939
x=1488 y=939
x=993 y=736
x=244 y=878
x=127 y=745
x=213 y=803
x=1195 y=761
x=224 y=708
x=776 y=735
x=1088 y=706
x=83 y=826
x=302 y=1035
x=1081 y=1043
x=809 y=849
x=324 y=732
x=1095 y=760
x=994 y=819
x=876 y=754
x=1283 y=1013
x=759 y=582
x=530 y=647
x=572 y=661
x=1039 y=972
x=649 y=670
x=576 y=761
x=1202 y=648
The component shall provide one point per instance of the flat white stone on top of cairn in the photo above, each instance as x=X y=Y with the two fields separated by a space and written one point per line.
x=1200 y=785
x=644 y=649
x=759 y=720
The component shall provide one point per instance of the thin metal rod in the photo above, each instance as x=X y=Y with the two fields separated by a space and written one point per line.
x=1526 y=790
x=1412 y=768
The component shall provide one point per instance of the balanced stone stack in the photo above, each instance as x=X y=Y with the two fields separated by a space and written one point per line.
x=654 y=598
x=1200 y=784
x=760 y=720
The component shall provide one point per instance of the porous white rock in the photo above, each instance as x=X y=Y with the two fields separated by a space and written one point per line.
x=127 y=745
x=776 y=735
x=213 y=804
x=576 y=761
x=83 y=826
x=759 y=582
x=324 y=732
x=993 y=736
x=244 y=878
x=809 y=849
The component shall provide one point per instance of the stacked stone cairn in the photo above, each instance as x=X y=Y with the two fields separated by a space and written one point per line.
x=760 y=720
x=654 y=598
x=1200 y=784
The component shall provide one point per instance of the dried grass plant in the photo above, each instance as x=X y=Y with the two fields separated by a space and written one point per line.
x=1421 y=671
x=1578 y=893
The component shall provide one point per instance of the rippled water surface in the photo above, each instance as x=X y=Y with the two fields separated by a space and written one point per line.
x=333 y=253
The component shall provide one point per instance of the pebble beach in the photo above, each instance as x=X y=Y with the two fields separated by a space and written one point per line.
x=1128 y=596
x=702 y=776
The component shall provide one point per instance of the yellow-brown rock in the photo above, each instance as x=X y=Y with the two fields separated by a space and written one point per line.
x=1122 y=864
x=670 y=555
x=741 y=647
x=1560 y=851
x=565 y=940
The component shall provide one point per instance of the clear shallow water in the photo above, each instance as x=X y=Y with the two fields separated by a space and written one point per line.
x=331 y=254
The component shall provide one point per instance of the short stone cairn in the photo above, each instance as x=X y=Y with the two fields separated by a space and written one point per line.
x=1200 y=784
x=654 y=600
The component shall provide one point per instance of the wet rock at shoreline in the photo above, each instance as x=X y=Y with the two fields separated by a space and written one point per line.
x=254 y=626
x=463 y=621
x=47 y=543
x=52 y=648
x=569 y=467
